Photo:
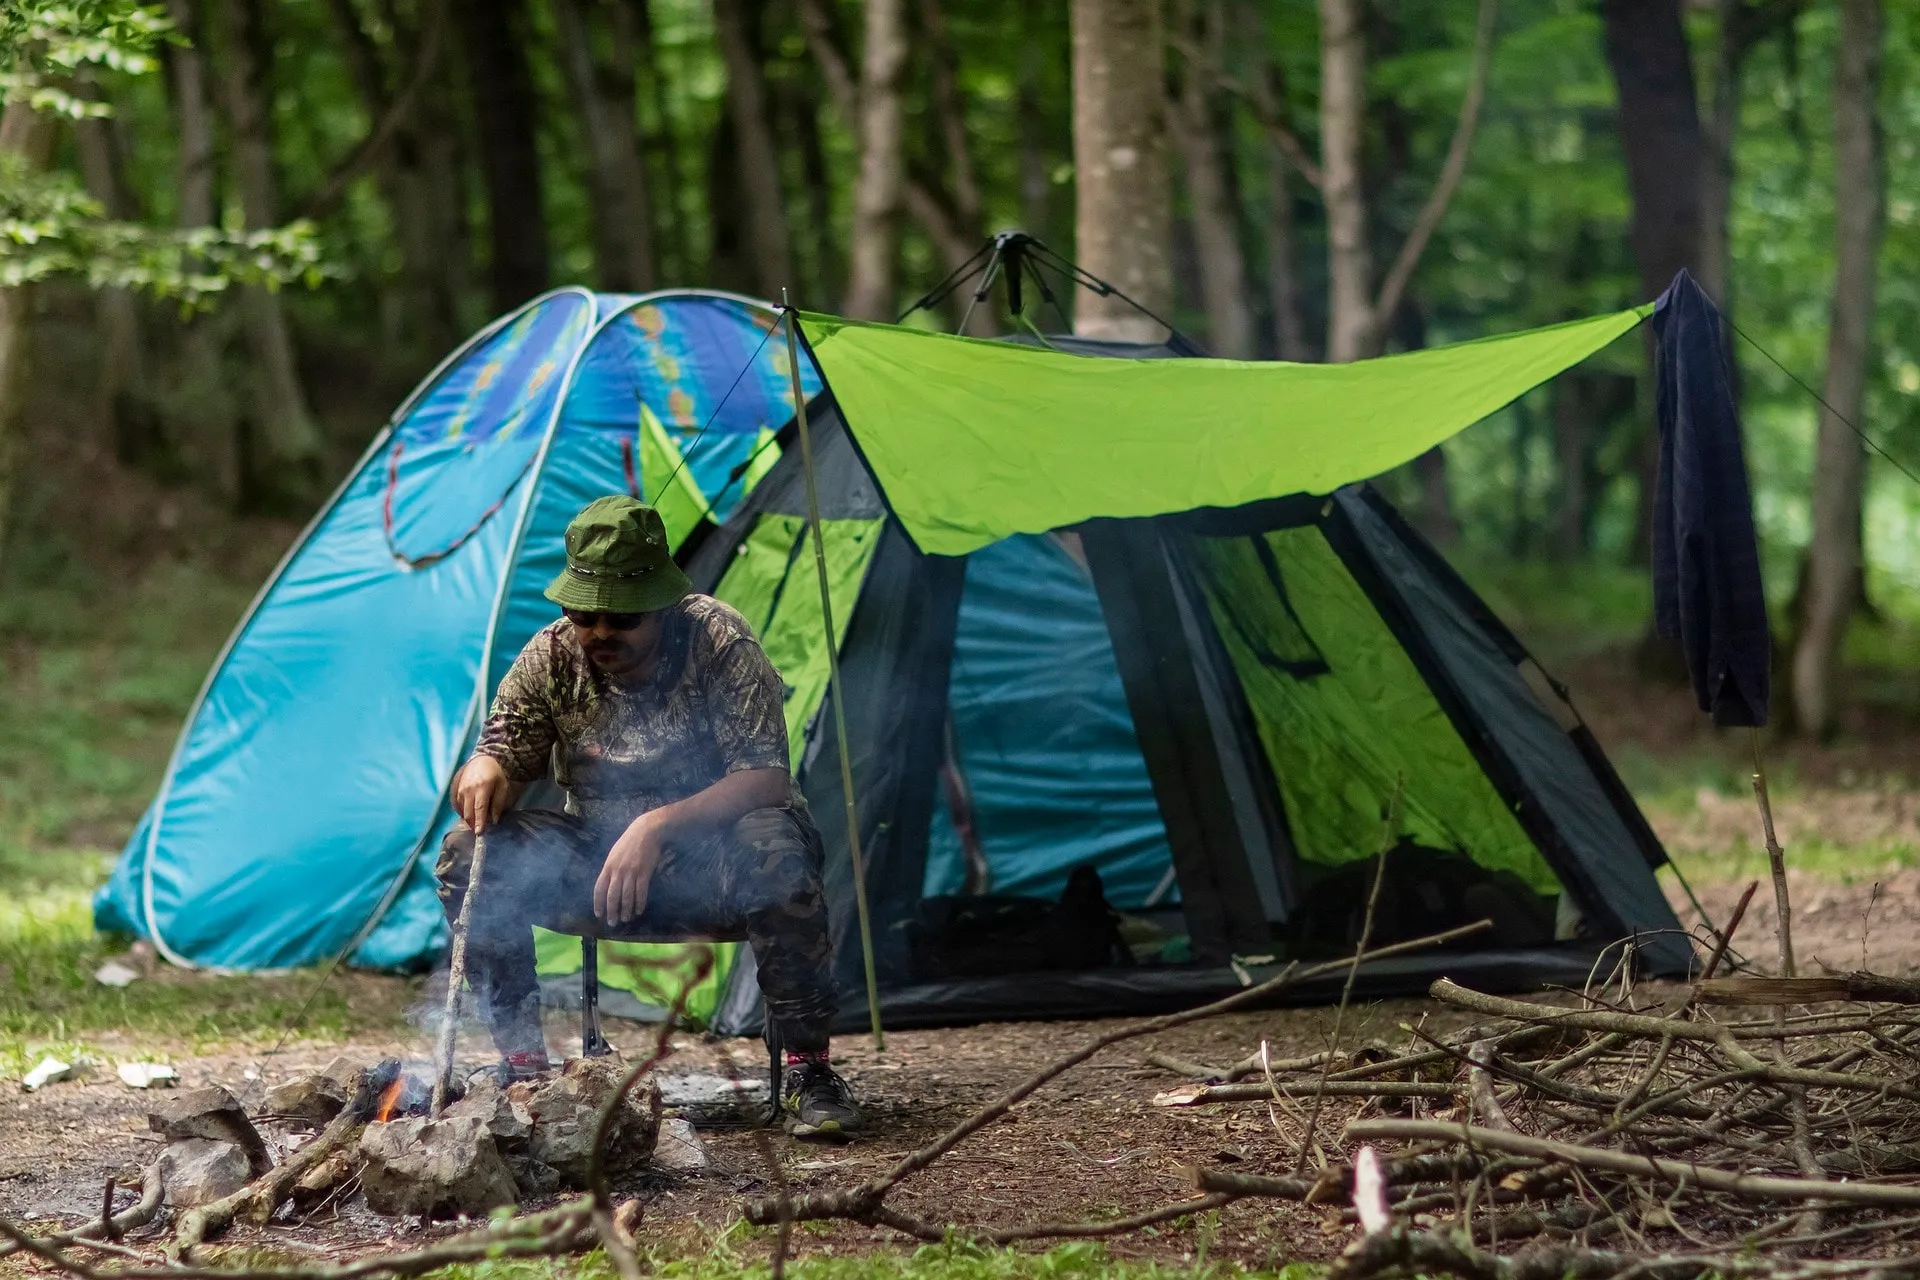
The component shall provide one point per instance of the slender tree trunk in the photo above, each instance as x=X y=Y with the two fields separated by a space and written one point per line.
x=1352 y=326
x=1721 y=130
x=1216 y=213
x=1283 y=270
x=1030 y=120
x=968 y=216
x=26 y=135
x=605 y=92
x=1123 y=200
x=125 y=402
x=1835 y=556
x=873 y=257
x=427 y=243
x=828 y=277
x=737 y=25
x=289 y=441
x=201 y=415
x=663 y=147
x=494 y=33
x=1660 y=134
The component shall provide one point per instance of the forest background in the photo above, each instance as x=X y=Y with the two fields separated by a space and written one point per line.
x=233 y=233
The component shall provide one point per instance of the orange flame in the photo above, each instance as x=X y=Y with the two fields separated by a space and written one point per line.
x=390 y=1100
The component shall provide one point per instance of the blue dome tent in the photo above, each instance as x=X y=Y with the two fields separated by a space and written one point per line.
x=306 y=794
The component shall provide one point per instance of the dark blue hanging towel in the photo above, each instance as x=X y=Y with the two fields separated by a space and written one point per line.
x=1706 y=563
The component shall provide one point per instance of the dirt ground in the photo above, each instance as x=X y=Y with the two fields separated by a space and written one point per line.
x=1089 y=1146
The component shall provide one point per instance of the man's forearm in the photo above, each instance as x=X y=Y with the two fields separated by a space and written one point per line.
x=722 y=804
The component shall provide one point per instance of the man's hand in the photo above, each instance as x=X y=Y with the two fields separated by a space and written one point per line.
x=481 y=793
x=620 y=894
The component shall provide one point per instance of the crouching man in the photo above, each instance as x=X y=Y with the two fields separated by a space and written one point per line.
x=663 y=722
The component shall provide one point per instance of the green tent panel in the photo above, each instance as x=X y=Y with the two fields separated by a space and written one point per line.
x=974 y=440
x=1345 y=716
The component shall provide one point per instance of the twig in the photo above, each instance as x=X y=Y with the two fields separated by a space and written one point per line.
x=923 y=1230
x=598 y=1191
x=1201 y=1095
x=1394 y=286
x=1776 y=860
x=151 y=1190
x=1480 y=1087
x=1388 y=827
x=861 y=1202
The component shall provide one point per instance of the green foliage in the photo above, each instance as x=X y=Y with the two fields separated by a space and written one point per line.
x=50 y=226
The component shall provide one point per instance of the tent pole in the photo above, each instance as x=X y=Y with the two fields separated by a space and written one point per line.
x=833 y=680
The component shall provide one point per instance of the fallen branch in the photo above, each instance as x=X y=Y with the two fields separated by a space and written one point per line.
x=1859 y=987
x=1676 y=1172
x=112 y=1228
x=922 y=1230
x=861 y=1203
x=1195 y=1095
x=257 y=1201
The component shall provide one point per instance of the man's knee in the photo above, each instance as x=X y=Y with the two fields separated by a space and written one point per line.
x=785 y=862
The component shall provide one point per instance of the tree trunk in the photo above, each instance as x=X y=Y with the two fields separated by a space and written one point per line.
x=289 y=440
x=663 y=147
x=1835 y=559
x=1659 y=125
x=1123 y=199
x=968 y=217
x=201 y=416
x=26 y=135
x=430 y=307
x=737 y=26
x=1352 y=326
x=1216 y=213
x=494 y=33
x=125 y=402
x=605 y=93
x=874 y=254
x=1283 y=272
x=828 y=276
x=1031 y=124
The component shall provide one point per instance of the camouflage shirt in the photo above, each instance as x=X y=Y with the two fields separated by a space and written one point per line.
x=713 y=706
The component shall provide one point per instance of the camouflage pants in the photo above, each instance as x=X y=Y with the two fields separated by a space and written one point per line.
x=759 y=882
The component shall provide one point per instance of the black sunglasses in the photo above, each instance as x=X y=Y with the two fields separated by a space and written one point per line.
x=614 y=621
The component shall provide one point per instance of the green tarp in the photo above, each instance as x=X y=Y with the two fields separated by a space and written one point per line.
x=975 y=440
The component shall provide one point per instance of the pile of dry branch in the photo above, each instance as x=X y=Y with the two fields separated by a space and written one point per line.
x=1727 y=1132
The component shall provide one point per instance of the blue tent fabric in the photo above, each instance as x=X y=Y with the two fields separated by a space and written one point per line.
x=308 y=786
x=1706 y=563
x=1044 y=736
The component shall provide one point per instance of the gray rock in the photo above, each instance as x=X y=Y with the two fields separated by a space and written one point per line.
x=679 y=1148
x=441 y=1168
x=197 y=1171
x=565 y=1112
x=214 y=1114
x=314 y=1099
x=535 y=1179
x=486 y=1101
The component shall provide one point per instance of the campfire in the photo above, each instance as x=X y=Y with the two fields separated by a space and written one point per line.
x=352 y=1131
x=406 y=1089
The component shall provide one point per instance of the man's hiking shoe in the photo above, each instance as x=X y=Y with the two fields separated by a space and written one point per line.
x=818 y=1103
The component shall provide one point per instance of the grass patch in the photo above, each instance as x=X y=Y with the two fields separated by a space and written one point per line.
x=950 y=1261
x=49 y=1002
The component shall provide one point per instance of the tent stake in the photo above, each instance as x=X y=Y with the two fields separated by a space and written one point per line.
x=833 y=681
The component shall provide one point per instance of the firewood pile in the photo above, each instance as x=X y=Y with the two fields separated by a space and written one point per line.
x=1725 y=1132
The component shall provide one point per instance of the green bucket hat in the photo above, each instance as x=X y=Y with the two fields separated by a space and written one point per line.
x=617 y=561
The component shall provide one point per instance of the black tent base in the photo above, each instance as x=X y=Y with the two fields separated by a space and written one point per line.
x=1143 y=992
